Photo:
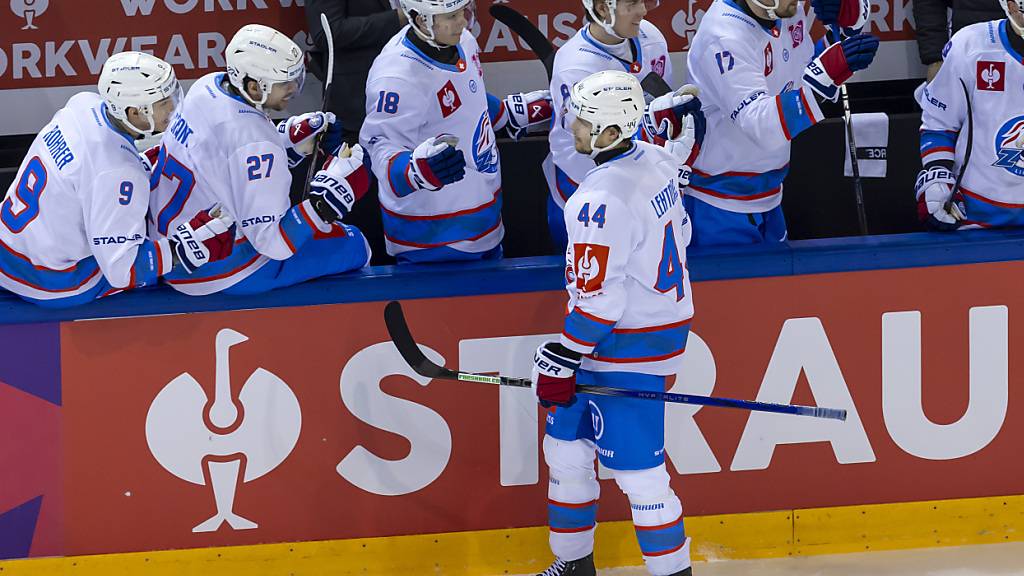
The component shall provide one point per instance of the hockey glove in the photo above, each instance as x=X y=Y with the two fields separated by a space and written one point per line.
x=677 y=120
x=528 y=112
x=298 y=134
x=343 y=180
x=838 y=62
x=846 y=13
x=150 y=156
x=937 y=204
x=437 y=163
x=208 y=237
x=554 y=380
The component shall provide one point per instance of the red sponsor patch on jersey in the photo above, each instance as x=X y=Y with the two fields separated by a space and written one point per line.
x=991 y=76
x=449 y=99
x=769 y=59
x=591 y=265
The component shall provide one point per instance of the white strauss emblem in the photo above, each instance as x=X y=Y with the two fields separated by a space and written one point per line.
x=685 y=22
x=448 y=99
x=587 y=267
x=246 y=438
x=990 y=76
x=29 y=9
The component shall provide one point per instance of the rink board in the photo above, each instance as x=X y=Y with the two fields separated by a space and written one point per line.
x=111 y=445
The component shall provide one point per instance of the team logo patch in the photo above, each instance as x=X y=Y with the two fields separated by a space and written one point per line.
x=473 y=86
x=591 y=265
x=449 y=99
x=596 y=420
x=635 y=67
x=769 y=59
x=785 y=55
x=796 y=33
x=1010 y=145
x=991 y=76
x=658 y=65
x=945 y=49
x=485 y=152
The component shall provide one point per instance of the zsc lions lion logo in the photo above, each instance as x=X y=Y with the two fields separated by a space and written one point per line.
x=485 y=153
x=1010 y=146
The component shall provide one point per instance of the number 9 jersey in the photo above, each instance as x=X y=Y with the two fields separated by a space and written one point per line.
x=630 y=303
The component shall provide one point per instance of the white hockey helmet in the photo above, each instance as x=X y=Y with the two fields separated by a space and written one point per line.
x=1018 y=26
x=137 y=80
x=428 y=9
x=265 y=55
x=608 y=98
x=609 y=26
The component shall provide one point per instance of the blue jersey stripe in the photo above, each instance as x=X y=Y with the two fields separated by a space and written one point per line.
x=639 y=346
x=20 y=269
x=432 y=231
x=741 y=185
x=241 y=257
x=585 y=329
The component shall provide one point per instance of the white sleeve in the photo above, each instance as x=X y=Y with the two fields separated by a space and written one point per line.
x=260 y=184
x=732 y=78
x=114 y=206
x=562 y=82
x=602 y=237
x=395 y=113
x=943 y=106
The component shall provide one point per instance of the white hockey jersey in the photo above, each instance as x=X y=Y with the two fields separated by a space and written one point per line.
x=578 y=58
x=220 y=149
x=751 y=86
x=981 y=57
x=76 y=212
x=410 y=98
x=630 y=302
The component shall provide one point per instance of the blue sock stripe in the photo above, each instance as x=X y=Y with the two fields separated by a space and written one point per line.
x=571 y=517
x=659 y=540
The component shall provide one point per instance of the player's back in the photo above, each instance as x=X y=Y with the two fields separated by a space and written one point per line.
x=48 y=210
x=578 y=58
x=639 y=187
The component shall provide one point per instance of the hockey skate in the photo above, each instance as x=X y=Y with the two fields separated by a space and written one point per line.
x=582 y=567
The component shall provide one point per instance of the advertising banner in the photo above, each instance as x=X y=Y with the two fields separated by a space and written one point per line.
x=304 y=423
x=50 y=50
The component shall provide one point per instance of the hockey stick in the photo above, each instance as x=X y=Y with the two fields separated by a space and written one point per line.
x=397 y=327
x=951 y=206
x=542 y=48
x=328 y=79
x=858 y=190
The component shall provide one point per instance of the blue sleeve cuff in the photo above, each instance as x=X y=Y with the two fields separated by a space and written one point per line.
x=148 y=265
x=398 y=174
x=496 y=110
x=297 y=226
x=583 y=331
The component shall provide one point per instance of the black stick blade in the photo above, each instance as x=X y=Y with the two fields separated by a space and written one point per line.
x=655 y=85
x=533 y=37
x=394 y=319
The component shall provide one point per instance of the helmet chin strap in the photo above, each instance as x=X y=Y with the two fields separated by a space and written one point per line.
x=594 y=150
x=608 y=27
x=769 y=9
x=1018 y=29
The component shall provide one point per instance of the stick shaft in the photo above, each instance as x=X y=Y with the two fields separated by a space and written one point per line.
x=314 y=161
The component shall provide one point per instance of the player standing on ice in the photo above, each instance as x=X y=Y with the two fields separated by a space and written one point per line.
x=758 y=72
x=983 y=62
x=73 y=223
x=628 y=319
x=222 y=148
x=616 y=37
x=430 y=128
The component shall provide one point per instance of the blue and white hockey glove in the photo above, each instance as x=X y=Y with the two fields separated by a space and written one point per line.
x=937 y=203
x=207 y=237
x=527 y=113
x=343 y=180
x=554 y=374
x=299 y=134
x=846 y=13
x=437 y=163
x=838 y=62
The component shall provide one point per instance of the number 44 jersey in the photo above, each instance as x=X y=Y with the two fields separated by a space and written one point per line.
x=629 y=290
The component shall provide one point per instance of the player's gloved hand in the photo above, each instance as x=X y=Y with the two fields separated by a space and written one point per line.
x=343 y=180
x=937 y=204
x=150 y=156
x=207 y=237
x=554 y=374
x=846 y=13
x=528 y=112
x=838 y=62
x=678 y=120
x=437 y=163
x=299 y=134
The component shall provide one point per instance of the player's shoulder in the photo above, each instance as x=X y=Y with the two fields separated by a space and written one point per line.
x=725 y=25
x=581 y=53
x=400 y=59
x=651 y=36
x=977 y=37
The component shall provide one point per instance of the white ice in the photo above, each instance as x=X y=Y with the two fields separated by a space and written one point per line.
x=987 y=560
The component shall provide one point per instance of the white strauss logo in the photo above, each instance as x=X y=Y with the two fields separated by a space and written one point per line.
x=685 y=22
x=449 y=99
x=246 y=438
x=990 y=76
x=587 y=267
x=29 y=9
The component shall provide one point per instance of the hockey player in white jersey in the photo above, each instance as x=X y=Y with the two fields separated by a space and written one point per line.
x=616 y=37
x=628 y=320
x=223 y=148
x=73 y=222
x=430 y=130
x=986 y=60
x=760 y=75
